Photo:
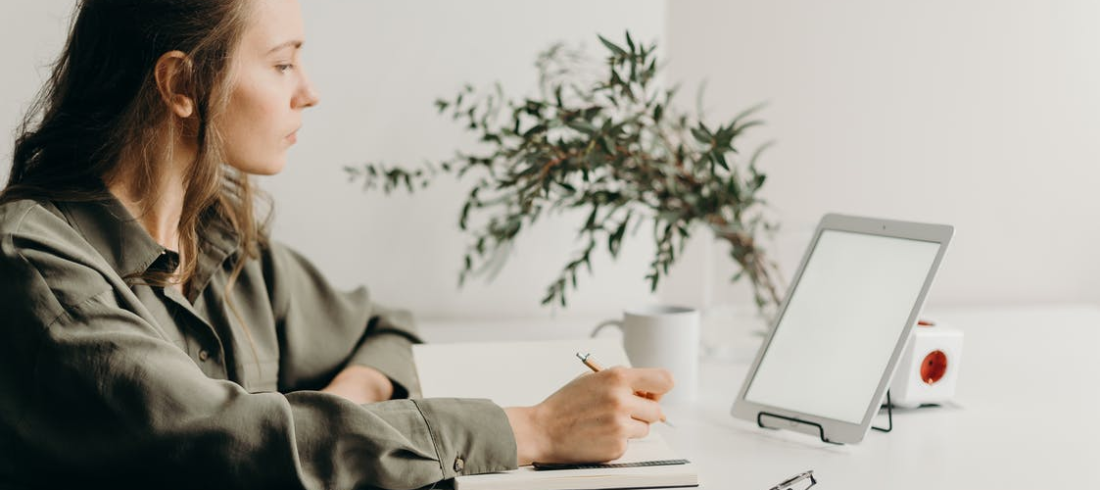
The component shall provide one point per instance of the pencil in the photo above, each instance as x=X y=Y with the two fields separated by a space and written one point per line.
x=595 y=367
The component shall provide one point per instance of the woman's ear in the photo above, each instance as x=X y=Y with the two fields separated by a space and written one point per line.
x=172 y=74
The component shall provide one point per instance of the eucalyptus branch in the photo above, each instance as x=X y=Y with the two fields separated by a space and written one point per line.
x=612 y=145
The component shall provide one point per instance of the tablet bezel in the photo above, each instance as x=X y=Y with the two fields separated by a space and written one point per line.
x=833 y=430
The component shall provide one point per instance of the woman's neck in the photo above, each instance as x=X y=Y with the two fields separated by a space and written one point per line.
x=161 y=216
x=162 y=219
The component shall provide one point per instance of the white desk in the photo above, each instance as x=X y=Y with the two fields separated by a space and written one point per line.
x=1025 y=414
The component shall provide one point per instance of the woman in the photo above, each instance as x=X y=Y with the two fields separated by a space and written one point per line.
x=153 y=336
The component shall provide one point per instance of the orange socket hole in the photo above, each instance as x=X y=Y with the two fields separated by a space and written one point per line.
x=934 y=367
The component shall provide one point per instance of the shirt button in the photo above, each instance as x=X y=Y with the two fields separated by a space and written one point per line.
x=459 y=464
x=204 y=355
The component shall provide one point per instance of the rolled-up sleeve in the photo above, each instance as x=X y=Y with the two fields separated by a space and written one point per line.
x=323 y=329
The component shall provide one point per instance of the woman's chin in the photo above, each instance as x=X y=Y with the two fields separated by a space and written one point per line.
x=261 y=169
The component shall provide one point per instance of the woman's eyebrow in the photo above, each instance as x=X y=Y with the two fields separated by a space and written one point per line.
x=296 y=43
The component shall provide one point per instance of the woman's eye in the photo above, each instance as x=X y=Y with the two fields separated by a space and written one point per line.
x=283 y=67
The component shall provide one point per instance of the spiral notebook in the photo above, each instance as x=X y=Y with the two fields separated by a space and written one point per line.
x=473 y=370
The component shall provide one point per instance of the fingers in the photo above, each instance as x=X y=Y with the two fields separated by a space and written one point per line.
x=645 y=410
x=653 y=381
x=647 y=385
x=636 y=429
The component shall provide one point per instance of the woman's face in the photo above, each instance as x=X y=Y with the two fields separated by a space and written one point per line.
x=270 y=89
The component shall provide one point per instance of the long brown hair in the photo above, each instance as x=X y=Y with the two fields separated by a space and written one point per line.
x=101 y=115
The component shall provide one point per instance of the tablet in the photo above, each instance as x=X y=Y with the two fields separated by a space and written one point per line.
x=828 y=360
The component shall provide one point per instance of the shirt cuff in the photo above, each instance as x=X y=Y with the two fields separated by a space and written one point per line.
x=471 y=436
x=391 y=355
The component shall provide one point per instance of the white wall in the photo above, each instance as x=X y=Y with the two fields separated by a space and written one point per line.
x=984 y=114
x=981 y=114
x=31 y=36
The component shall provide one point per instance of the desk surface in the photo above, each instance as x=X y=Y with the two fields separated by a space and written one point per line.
x=1024 y=416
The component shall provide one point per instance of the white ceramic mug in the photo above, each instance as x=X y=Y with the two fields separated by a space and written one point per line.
x=665 y=337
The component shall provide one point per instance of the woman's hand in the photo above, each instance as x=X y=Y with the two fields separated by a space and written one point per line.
x=361 y=384
x=591 y=418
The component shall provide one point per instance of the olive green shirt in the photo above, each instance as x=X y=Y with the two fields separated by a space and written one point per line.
x=105 y=382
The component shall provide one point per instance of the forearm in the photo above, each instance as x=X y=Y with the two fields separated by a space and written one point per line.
x=390 y=353
x=361 y=384
x=529 y=442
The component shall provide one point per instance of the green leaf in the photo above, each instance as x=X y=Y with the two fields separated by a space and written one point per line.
x=610 y=45
x=734 y=188
x=615 y=78
x=536 y=129
x=652 y=281
x=583 y=127
x=549 y=296
x=758 y=181
x=609 y=145
x=590 y=223
x=745 y=113
x=747 y=125
x=615 y=239
x=721 y=160
x=462 y=219
x=628 y=91
x=756 y=155
x=701 y=136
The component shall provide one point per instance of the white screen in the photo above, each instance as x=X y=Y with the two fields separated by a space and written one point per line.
x=846 y=315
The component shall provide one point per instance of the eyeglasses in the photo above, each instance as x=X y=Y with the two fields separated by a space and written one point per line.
x=801 y=481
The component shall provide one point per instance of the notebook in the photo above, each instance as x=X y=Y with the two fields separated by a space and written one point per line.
x=474 y=370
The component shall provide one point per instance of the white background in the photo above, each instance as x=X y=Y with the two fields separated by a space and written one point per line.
x=982 y=114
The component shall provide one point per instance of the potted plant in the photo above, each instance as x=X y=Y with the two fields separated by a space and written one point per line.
x=614 y=147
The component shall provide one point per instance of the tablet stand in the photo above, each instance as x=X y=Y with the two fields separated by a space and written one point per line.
x=821 y=430
x=889 y=415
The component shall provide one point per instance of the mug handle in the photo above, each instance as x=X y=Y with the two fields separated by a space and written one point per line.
x=606 y=323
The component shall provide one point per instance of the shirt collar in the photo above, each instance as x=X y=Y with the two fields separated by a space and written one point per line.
x=110 y=228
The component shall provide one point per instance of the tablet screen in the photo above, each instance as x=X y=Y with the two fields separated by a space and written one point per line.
x=844 y=319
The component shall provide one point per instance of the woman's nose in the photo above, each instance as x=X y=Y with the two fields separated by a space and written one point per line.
x=307 y=94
